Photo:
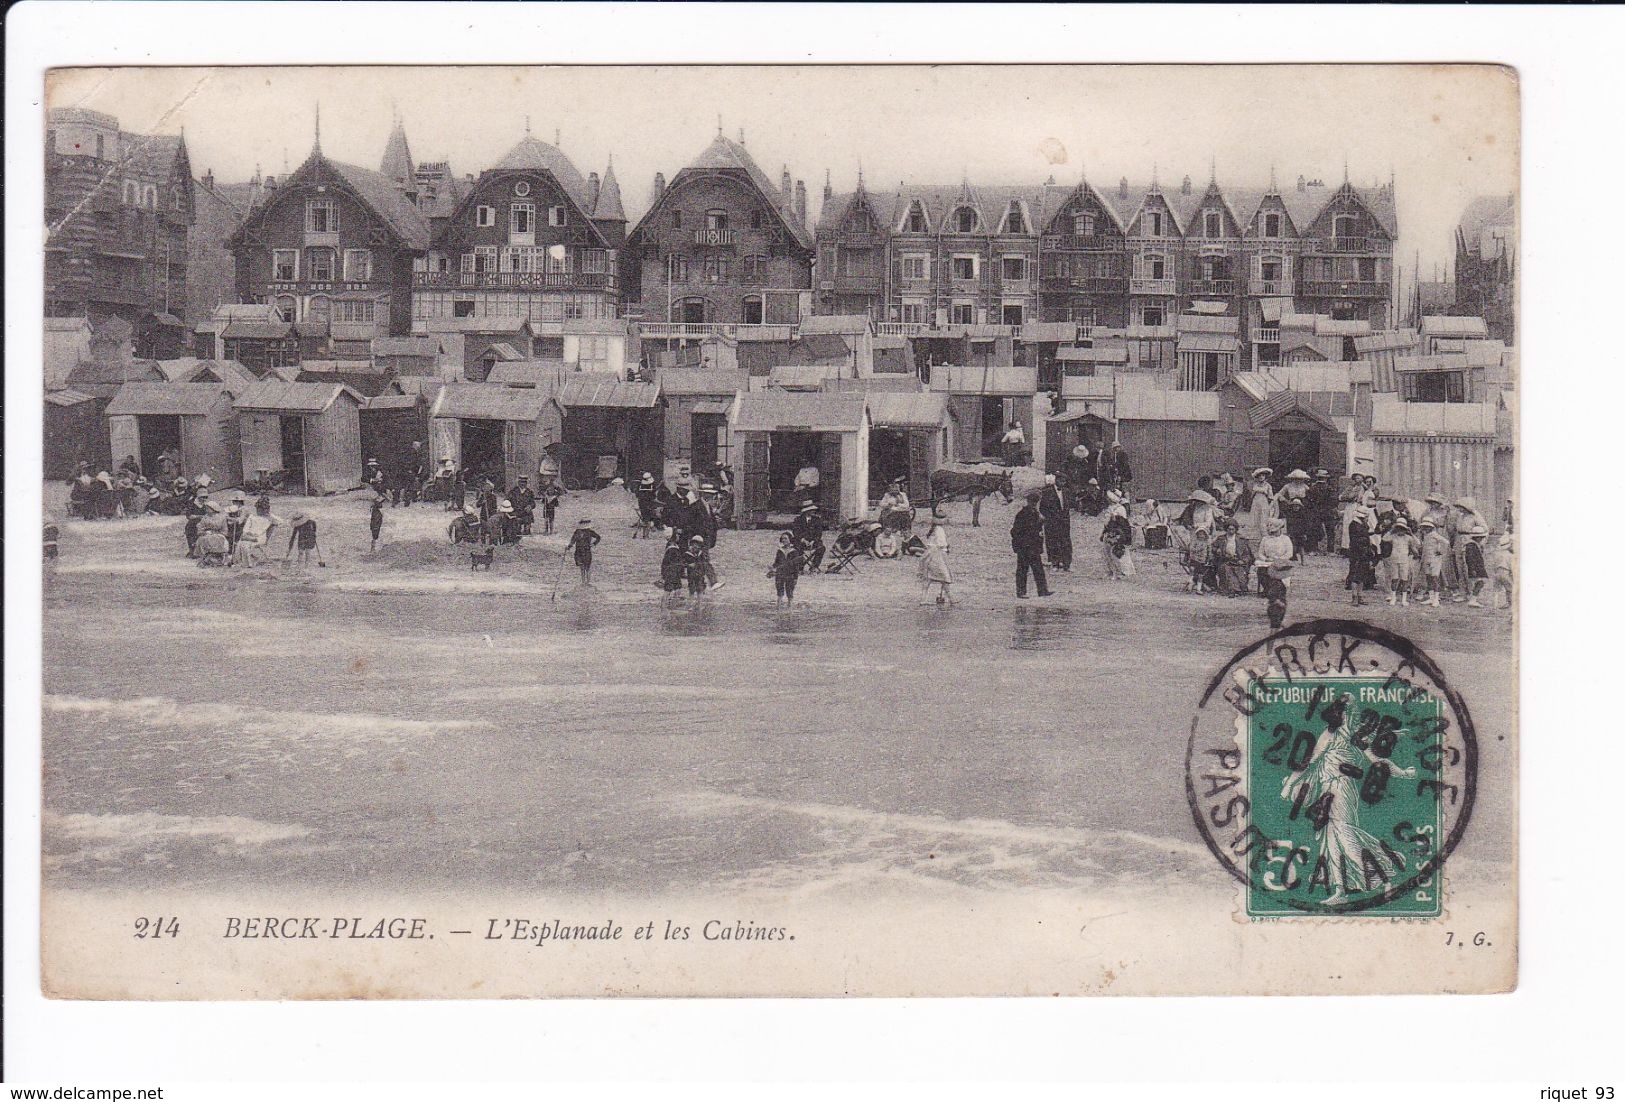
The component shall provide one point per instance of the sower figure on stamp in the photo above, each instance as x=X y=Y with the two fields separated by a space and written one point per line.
x=1027 y=540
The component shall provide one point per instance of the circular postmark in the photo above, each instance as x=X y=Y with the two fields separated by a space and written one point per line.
x=1331 y=769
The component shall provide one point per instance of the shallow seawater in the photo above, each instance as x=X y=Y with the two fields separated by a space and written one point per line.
x=265 y=734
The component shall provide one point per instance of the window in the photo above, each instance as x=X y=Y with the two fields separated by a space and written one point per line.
x=99 y=147
x=1156 y=267
x=556 y=216
x=716 y=219
x=462 y=308
x=321 y=216
x=1212 y=224
x=857 y=262
x=755 y=269
x=1368 y=269
x=1083 y=225
x=287 y=307
x=1151 y=316
x=755 y=219
x=132 y=193
x=562 y=260
x=1011 y=314
x=285 y=264
x=679 y=268
x=485 y=216
x=1269 y=269
x=319 y=308
x=355 y=310
x=1272 y=225
x=716 y=269
x=1153 y=223
x=916 y=266
x=1014 y=268
x=358 y=264
x=177 y=201
x=750 y=310
x=594 y=260
x=964 y=267
x=439 y=262
x=320 y=263
x=1346 y=225
x=149 y=197
x=1013 y=222
x=522 y=217
x=965 y=220
x=915 y=223
x=962 y=313
x=521 y=258
x=914 y=312
x=676 y=219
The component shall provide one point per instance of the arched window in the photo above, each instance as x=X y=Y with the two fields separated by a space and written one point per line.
x=132 y=193
x=287 y=308
x=149 y=196
x=916 y=222
x=965 y=220
x=318 y=308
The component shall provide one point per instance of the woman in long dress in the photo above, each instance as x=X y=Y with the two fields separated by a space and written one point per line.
x=1329 y=785
x=934 y=565
x=1117 y=538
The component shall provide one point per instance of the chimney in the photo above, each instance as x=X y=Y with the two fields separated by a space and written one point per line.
x=784 y=182
x=208 y=179
x=660 y=184
x=270 y=183
x=1122 y=187
x=801 y=201
x=1300 y=181
x=592 y=192
x=829 y=192
x=1185 y=186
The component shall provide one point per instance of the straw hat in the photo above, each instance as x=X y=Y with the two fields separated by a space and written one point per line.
x=584 y=522
x=696 y=539
x=1297 y=475
x=1275 y=526
x=1434 y=498
x=504 y=506
x=1401 y=524
x=708 y=488
x=1263 y=472
x=1467 y=503
x=809 y=506
x=1427 y=524
x=648 y=479
x=299 y=517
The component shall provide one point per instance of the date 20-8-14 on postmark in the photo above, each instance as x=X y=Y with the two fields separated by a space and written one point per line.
x=1331 y=769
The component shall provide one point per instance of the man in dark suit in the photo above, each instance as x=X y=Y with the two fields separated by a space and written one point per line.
x=1027 y=539
x=1057 y=525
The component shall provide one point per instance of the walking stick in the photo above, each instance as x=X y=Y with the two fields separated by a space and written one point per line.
x=559 y=574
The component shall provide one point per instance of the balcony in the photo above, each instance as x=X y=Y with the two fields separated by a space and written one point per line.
x=1266 y=336
x=856 y=284
x=716 y=238
x=1320 y=288
x=1138 y=286
x=1223 y=288
x=1346 y=244
x=1269 y=287
x=1087 y=285
x=1077 y=242
x=698 y=330
x=512 y=281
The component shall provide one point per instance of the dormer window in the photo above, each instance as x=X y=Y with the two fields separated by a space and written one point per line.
x=132 y=193
x=1013 y=222
x=1272 y=225
x=755 y=219
x=1212 y=224
x=485 y=216
x=676 y=219
x=556 y=215
x=1083 y=225
x=916 y=219
x=1153 y=223
x=1346 y=225
x=965 y=220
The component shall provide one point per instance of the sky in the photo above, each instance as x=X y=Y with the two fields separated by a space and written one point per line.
x=1446 y=133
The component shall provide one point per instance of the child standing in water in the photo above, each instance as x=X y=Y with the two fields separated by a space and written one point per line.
x=787 y=567
x=582 y=541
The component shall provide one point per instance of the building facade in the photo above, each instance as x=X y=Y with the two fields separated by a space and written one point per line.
x=530 y=238
x=721 y=245
x=1486 y=263
x=117 y=210
x=331 y=247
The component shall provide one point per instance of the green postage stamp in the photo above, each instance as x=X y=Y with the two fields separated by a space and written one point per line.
x=1331 y=770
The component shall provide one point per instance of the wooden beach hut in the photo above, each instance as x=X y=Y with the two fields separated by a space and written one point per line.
x=308 y=433
x=147 y=419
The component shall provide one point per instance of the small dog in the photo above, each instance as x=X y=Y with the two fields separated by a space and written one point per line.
x=482 y=560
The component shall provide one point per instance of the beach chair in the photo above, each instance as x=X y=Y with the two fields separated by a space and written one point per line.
x=843 y=557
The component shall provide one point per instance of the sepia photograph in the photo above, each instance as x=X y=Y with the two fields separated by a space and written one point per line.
x=779 y=530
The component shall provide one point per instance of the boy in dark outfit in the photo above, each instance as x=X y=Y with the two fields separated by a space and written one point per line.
x=376 y=520
x=672 y=565
x=582 y=541
x=697 y=566
x=787 y=566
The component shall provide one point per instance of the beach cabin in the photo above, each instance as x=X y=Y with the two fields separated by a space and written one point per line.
x=308 y=433
x=533 y=374
x=147 y=419
x=389 y=423
x=1446 y=446
x=910 y=435
x=75 y=432
x=612 y=428
x=698 y=405
x=1088 y=417
x=779 y=434
x=1381 y=350
x=493 y=431
x=1168 y=434
x=984 y=401
x=1208 y=350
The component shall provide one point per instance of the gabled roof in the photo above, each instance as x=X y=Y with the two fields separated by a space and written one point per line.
x=531 y=373
x=1443 y=362
x=609 y=207
x=1208 y=342
x=92 y=372
x=1095 y=388
x=685 y=381
x=606 y=390
x=1206 y=323
x=1006 y=380
x=1483 y=212
x=1388 y=340
x=1257 y=385
x=405 y=346
x=424 y=386
x=893 y=409
x=1444 y=325
x=394 y=401
x=304 y=397
x=726 y=155
x=492 y=323
x=397 y=164
x=814 y=412
x=190 y=369
x=68 y=397
x=799 y=376
x=1118 y=355
x=365 y=383
x=502 y=352
x=169 y=399
x=1278 y=405
x=491 y=402
x=890 y=383
x=374 y=189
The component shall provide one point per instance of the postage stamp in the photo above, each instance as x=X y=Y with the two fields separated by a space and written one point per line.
x=1332 y=771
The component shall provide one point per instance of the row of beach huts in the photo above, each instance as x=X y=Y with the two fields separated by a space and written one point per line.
x=1424 y=409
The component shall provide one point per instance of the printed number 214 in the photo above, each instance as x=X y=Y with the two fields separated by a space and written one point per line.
x=157 y=927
